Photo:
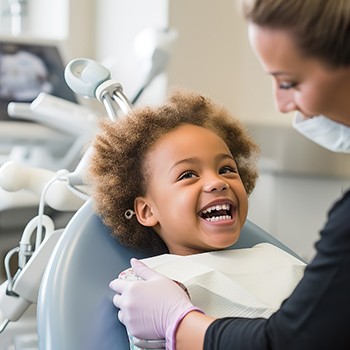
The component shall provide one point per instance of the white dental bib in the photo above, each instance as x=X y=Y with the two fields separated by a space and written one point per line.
x=251 y=282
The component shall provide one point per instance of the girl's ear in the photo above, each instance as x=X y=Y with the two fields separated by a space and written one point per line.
x=144 y=213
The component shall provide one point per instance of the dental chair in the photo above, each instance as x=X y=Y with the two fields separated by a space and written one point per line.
x=75 y=309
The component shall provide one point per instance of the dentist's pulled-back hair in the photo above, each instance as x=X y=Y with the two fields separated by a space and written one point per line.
x=319 y=28
x=118 y=172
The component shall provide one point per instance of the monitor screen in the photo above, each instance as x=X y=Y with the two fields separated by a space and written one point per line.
x=28 y=67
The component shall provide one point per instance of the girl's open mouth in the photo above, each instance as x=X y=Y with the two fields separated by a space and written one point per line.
x=218 y=212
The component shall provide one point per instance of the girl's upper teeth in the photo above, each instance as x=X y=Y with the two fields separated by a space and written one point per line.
x=224 y=206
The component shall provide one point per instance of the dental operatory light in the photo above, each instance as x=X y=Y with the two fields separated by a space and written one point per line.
x=154 y=46
x=150 y=39
x=18 y=13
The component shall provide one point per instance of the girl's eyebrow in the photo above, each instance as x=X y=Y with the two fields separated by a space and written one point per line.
x=194 y=160
x=184 y=161
x=223 y=156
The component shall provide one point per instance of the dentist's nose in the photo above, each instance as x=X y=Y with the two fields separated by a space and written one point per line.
x=284 y=100
x=216 y=185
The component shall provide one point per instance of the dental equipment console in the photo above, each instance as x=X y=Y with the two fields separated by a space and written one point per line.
x=61 y=190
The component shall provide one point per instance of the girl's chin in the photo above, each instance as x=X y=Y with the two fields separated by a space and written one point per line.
x=223 y=245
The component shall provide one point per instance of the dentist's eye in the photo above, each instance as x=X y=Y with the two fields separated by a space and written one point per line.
x=187 y=175
x=287 y=86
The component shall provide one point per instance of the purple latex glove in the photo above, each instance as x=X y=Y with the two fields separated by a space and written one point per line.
x=151 y=308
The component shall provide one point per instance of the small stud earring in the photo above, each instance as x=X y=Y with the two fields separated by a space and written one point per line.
x=129 y=214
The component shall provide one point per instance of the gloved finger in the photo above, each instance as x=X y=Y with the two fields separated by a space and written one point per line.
x=120 y=316
x=143 y=271
x=116 y=300
x=118 y=285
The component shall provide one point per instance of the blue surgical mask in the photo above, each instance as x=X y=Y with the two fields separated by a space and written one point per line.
x=325 y=132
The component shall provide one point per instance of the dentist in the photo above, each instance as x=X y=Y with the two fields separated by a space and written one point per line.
x=305 y=46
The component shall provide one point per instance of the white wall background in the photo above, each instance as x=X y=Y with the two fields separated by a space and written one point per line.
x=294 y=208
x=213 y=55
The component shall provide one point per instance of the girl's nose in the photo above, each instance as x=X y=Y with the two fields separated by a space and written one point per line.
x=215 y=186
x=285 y=100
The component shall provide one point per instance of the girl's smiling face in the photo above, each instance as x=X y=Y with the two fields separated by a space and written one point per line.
x=195 y=198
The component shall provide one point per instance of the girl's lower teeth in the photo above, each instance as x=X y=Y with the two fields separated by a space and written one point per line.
x=219 y=218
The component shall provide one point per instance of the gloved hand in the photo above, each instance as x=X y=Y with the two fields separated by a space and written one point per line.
x=151 y=308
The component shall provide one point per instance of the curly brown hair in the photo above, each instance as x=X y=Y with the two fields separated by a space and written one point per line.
x=117 y=170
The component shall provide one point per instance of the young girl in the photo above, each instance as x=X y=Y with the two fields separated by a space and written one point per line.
x=153 y=169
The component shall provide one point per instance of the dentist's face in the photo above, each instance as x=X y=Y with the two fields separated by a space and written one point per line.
x=301 y=84
x=195 y=195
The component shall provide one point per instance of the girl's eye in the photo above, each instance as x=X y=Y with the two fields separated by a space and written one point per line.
x=228 y=169
x=187 y=175
x=287 y=86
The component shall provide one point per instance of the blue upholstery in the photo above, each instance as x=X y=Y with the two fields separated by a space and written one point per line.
x=75 y=310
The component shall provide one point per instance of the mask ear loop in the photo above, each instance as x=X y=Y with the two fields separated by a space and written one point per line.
x=129 y=214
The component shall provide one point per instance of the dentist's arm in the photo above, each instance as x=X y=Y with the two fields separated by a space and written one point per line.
x=191 y=331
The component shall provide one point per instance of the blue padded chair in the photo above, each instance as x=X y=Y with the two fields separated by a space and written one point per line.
x=75 y=309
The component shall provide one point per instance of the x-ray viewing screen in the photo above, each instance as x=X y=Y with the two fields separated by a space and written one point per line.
x=28 y=68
